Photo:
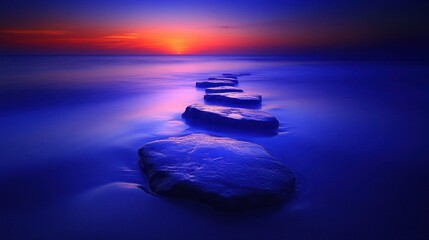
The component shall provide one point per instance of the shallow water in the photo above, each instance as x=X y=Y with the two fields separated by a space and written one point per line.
x=354 y=133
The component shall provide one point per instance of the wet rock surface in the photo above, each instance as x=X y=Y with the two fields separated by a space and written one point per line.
x=234 y=98
x=223 y=89
x=240 y=118
x=235 y=74
x=234 y=80
x=226 y=173
x=214 y=83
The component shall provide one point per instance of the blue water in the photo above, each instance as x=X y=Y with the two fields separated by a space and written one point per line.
x=354 y=133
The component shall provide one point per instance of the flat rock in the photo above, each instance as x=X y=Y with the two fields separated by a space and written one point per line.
x=234 y=80
x=237 y=118
x=234 y=98
x=223 y=172
x=230 y=75
x=235 y=74
x=223 y=89
x=214 y=83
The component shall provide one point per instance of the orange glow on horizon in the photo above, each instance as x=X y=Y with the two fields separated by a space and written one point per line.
x=156 y=40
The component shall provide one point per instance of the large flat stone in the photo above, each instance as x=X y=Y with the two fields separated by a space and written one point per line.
x=214 y=83
x=223 y=172
x=235 y=74
x=223 y=89
x=234 y=98
x=234 y=80
x=236 y=118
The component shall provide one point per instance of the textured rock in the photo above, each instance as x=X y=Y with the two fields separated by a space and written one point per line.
x=234 y=98
x=214 y=83
x=234 y=80
x=226 y=173
x=239 y=118
x=223 y=89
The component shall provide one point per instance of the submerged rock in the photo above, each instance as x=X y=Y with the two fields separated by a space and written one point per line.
x=226 y=173
x=214 y=83
x=239 y=118
x=223 y=89
x=234 y=98
x=234 y=80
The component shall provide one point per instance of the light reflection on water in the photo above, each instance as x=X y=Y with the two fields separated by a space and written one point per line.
x=71 y=127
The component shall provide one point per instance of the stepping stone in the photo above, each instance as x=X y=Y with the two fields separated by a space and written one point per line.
x=229 y=75
x=226 y=173
x=237 y=118
x=223 y=89
x=234 y=80
x=234 y=98
x=214 y=83
x=235 y=75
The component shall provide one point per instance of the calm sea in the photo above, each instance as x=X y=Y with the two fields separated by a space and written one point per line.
x=355 y=133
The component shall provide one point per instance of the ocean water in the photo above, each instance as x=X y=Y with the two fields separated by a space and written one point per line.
x=354 y=133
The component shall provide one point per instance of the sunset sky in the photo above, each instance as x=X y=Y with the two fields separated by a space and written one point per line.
x=212 y=27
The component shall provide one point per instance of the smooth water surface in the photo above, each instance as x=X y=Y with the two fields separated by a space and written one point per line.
x=354 y=133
